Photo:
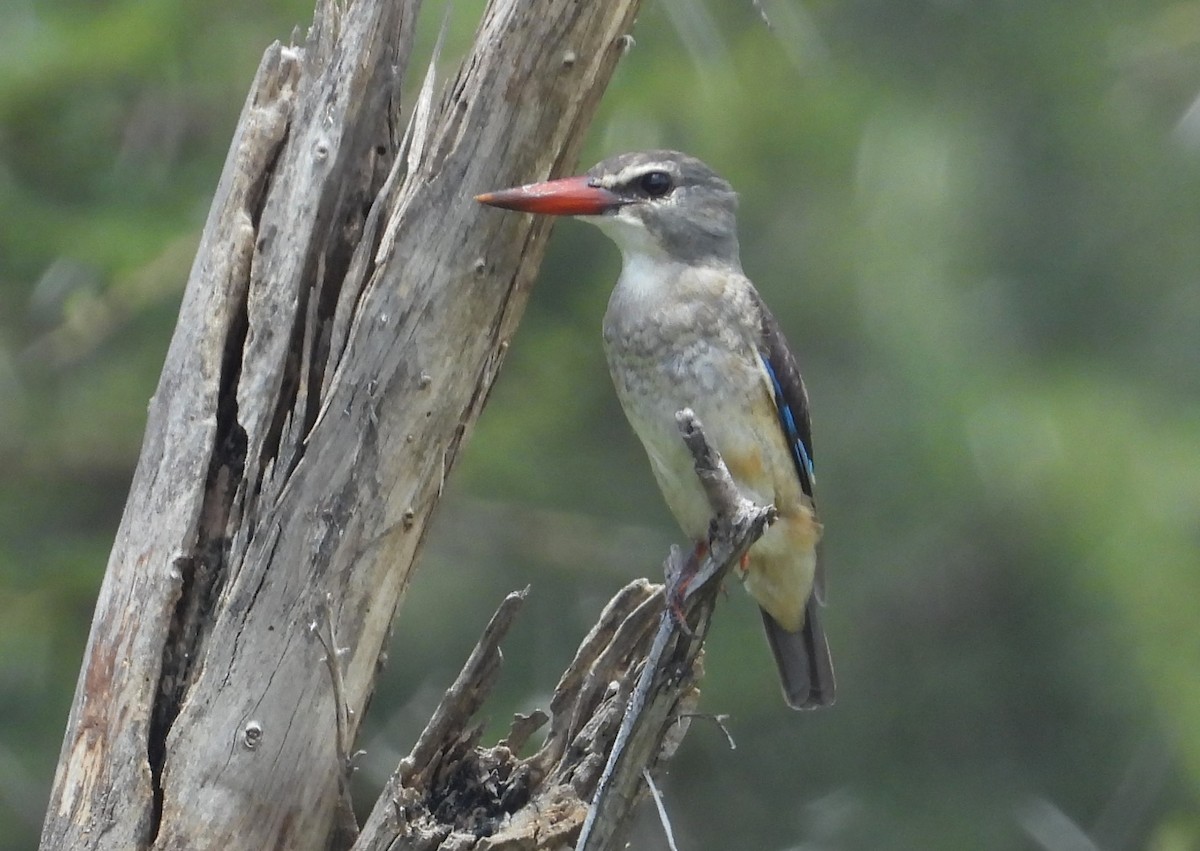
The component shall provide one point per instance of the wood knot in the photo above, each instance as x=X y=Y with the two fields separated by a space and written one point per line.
x=252 y=735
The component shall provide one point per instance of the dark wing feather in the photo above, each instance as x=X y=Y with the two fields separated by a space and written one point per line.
x=801 y=657
x=791 y=398
x=791 y=405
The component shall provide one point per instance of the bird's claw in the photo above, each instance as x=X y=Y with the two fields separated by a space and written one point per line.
x=677 y=588
x=675 y=598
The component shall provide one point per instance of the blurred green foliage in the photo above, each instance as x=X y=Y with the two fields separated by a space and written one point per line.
x=979 y=224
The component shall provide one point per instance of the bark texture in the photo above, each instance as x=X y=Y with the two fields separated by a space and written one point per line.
x=346 y=314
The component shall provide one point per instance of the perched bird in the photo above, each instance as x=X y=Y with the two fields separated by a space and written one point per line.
x=685 y=328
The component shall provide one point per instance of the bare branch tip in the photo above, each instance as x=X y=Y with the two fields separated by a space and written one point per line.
x=686 y=417
x=518 y=596
x=661 y=806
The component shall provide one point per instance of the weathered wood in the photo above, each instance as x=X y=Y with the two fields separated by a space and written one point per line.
x=656 y=718
x=452 y=793
x=604 y=732
x=346 y=314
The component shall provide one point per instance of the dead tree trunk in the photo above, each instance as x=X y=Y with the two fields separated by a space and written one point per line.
x=346 y=314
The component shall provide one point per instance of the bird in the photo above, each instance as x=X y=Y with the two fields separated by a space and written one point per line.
x=685 y=328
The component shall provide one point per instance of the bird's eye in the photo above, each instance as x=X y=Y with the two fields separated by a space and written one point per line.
x=656 y=183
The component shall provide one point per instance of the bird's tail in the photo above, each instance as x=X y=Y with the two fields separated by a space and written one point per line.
x=805 y=668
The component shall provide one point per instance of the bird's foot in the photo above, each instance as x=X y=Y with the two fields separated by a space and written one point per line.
x=675 y=607
x=743 y=565
x=677 y=587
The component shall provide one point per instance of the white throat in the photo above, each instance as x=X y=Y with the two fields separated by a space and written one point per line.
x=647 y=276
x=647 y=272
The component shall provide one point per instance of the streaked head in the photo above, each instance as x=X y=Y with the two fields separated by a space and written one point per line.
x=649 y=202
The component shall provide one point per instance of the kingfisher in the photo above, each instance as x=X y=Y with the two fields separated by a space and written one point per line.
x=685 y=328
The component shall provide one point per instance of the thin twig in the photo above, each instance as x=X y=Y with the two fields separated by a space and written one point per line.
x=662 y=809
x=720 y=720
x=346 y=827
x=637 y=703
x=762 y=13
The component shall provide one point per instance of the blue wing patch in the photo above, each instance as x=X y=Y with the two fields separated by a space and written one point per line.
x=788 y=422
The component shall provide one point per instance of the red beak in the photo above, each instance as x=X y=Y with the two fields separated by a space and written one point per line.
x=570 y=196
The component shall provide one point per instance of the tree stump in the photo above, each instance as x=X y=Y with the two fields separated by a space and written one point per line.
x=346 y=314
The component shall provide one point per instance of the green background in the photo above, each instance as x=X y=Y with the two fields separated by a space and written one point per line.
x=978 y=223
